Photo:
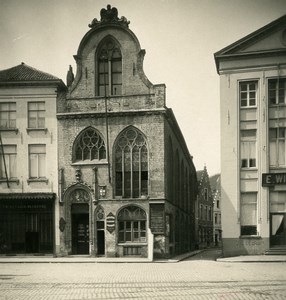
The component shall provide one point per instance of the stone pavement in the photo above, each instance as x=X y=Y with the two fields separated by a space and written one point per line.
x=254 y=258
x=197 y=277
x=88 y=259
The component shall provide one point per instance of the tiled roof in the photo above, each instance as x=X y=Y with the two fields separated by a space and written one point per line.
x=24 y=72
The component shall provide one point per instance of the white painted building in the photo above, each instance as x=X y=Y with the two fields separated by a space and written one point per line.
x=253 y=141
x=28 y=161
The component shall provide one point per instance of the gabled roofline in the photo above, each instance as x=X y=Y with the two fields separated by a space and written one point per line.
x=226 y=52
x=58 y=83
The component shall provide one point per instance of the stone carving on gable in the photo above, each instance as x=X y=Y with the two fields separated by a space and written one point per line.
x=109 y=15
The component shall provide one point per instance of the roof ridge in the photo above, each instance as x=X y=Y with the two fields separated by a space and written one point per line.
x=24 y=72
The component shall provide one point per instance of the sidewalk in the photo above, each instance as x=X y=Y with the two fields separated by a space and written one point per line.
x=88 y=259
x=254 y=258
x=175 y=259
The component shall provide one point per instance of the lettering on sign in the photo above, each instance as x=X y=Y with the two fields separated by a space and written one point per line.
x=270 y=179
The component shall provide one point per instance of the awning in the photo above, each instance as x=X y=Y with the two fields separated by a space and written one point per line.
x=27 y=196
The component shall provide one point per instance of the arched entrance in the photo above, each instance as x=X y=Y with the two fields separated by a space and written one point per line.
x=78 y=212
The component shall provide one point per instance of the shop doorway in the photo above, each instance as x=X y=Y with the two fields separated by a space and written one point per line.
x=278 y=230
x=32 y=242
x=100 y=236
x=80 y=229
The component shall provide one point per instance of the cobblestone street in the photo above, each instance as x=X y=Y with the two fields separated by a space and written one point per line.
x=199 y=277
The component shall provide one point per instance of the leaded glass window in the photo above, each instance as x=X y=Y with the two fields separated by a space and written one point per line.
x=109 y=69
x=131 y=165
x=132 y=224
x=89 y=146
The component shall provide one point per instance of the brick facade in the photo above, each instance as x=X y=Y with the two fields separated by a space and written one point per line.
x=168 y=205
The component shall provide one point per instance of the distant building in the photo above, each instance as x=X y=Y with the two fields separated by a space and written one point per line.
x=216 y=192
x=253 y=136
x=29 y=206
x=204 y=210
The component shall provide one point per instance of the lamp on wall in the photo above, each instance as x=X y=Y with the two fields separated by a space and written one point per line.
x=102 y=191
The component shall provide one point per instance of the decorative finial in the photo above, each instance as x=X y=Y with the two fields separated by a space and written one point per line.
x=109 y=15
x=70 y=76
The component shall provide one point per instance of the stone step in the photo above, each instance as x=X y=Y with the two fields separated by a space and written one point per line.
x=276 y=251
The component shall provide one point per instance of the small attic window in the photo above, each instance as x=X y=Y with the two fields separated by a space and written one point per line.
x=109 y=69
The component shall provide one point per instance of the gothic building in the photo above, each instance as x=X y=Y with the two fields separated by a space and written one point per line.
x=127 y=182
x=204 y=224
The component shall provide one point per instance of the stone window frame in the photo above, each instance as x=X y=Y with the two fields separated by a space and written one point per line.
x=132 y=224
x=109 y=68
x=98 y=145
x=123 y=147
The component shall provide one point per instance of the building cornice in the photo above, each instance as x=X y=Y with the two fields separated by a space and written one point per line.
x=82 y=115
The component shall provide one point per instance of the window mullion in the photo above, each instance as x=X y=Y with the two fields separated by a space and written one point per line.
x=140 y=171
x=131 y=170
x=132 y=231
x=38 y=166
x=109 y=78
x=123 y=173
x=248 y=95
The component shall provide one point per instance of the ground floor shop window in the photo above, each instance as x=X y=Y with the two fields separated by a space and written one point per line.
x=26 y=227
x=248 y=214
x=132 y=225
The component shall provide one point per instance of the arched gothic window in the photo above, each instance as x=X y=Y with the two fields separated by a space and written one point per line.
x=131 y=164
x=109 y=69
x=89 y=145
x=131 y=224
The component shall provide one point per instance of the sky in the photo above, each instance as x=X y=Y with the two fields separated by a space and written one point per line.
x=180 y=38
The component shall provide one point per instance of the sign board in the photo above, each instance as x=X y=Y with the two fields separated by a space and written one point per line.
x=270 y=179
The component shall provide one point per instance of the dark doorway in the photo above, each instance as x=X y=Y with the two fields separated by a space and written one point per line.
x=80 y=233
x=32 y=242
x=100 y=238
x=278 y=230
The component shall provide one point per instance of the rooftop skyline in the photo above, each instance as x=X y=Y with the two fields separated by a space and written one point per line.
x=180 y=38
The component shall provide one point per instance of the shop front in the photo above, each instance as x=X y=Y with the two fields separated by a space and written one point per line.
x=277 y=200
x=27 y=223
x=278 y=230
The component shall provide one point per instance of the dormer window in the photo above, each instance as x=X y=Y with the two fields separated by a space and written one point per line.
x=109 y=69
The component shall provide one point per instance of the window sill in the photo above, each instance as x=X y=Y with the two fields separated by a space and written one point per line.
x=16 y=130
x=127 y=244
x=90 y=162
x=277 y=105
x=143 y=197
x=45 y=180
x=248 y=107
x=10 y=180
x=249 y=169
x=257 y=237
x=37 y=129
